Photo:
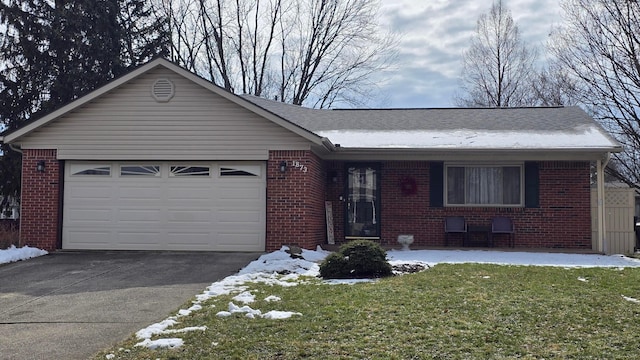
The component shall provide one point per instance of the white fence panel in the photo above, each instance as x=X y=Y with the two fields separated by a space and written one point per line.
x=619 y=211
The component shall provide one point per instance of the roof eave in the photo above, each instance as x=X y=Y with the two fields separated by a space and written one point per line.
x=582 y=154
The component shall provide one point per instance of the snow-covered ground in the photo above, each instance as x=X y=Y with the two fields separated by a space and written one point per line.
x=278 y=268
x=13 y=254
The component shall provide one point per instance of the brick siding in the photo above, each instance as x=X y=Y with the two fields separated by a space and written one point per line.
x=295 y=200
x=40 y=200
x=563 y=219
x=296 y=214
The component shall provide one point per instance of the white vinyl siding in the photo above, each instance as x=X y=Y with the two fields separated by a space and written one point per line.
x=195 y=212
x=196 y=124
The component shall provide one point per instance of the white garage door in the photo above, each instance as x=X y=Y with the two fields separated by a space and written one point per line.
x=164 y=206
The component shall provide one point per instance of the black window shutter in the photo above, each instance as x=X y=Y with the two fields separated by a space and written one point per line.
x=531 y=185
x=436 y=184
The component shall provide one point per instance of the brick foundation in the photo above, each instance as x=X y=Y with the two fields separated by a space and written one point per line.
x=40 y=200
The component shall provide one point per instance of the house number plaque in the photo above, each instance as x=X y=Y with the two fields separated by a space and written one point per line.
x=296 y=164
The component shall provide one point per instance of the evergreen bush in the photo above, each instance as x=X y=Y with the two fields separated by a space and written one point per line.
x=355 y=260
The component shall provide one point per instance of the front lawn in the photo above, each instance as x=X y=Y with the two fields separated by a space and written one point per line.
x=469 y=311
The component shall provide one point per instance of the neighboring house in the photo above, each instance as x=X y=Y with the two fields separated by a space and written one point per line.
x=161 y=159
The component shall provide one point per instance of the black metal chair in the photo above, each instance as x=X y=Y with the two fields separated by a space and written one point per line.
x=503 y=225
x=455 y=225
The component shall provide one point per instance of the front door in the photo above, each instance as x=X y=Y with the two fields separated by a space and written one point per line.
x=362 y=211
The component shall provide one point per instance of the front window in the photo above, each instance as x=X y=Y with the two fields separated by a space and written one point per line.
x=484 y=185
x=362 y=205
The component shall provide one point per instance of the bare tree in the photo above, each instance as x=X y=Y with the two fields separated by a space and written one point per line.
x=553 y=86
x=312 y=52
x=498 y=68
x=599 y=47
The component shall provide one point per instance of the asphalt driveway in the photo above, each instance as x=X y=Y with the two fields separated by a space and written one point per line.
x=70 y=305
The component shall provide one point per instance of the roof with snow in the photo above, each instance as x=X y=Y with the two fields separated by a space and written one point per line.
x=442 y=128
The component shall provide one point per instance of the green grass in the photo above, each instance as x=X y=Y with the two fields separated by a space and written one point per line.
x=467 y=311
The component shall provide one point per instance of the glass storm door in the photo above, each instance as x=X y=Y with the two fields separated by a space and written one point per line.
x=362 y=211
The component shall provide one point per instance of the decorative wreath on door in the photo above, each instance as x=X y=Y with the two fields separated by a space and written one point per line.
x=408 y=185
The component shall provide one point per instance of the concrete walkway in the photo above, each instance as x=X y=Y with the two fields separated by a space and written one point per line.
x=70 y=305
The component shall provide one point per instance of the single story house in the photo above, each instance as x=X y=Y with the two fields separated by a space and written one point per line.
x=161 y=159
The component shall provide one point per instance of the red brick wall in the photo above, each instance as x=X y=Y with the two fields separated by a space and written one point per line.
x=295 y=204
x=295 y=200
x=39 y=213
x=563 y=219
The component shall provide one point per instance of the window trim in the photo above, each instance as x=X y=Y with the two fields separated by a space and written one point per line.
x=520 y=165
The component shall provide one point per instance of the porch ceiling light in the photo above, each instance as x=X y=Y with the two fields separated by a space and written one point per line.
x=40 y=166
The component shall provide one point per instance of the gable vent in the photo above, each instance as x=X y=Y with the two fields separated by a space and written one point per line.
x=162 y=90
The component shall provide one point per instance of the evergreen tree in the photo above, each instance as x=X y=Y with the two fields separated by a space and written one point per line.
x=52 y=52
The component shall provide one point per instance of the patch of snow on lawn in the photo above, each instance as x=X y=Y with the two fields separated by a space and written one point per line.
x=245 y=297
x=278 y=268
x=155 y=329
x=271 y=298
x=433 y=257
x=13 y=254
x=170 y=343
x=274 y=314
x=275 y=268
x=233 y=308
x=630 y=299
x=347 y=281
x=253 y=313
x=184 y=330
x=187 y=312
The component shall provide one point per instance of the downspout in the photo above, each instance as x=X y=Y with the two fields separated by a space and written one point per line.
x=12 y=147
x=602 y=244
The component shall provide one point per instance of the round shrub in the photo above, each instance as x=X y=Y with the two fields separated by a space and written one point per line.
x=334 y=266
x=356 y=259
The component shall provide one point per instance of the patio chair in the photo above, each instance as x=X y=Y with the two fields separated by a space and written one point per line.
x=455 y=225
x=503 y=225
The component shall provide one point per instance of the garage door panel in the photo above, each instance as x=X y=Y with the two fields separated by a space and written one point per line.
x=89 y=215
x=200 y=193
x=89 y=238
x=165 y=211
x=237 y=239
x=142 y=237
x=239 y=193
x=138 y=217
x=247 y=218
x=189 y=217
x=136 y=193
x=90 y=193
x=190 y=239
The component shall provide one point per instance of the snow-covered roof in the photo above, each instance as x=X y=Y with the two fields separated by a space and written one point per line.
x=534 y=128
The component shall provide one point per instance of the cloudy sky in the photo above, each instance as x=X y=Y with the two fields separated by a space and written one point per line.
x=433 y=36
